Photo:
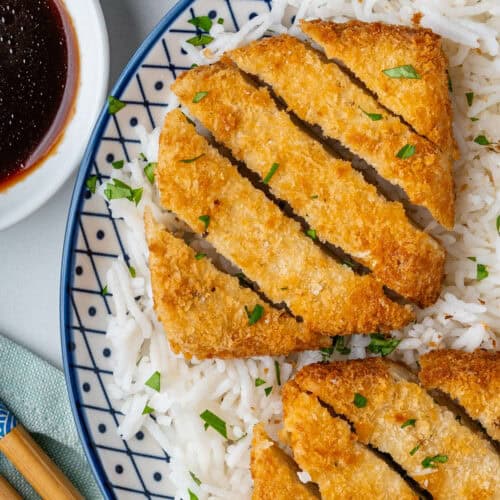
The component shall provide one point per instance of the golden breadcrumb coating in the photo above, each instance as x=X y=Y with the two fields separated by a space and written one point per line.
x=274 y=473
x=369 y=48
x=332 y=197
x=271 y=249
x=472 y=378
x=465 y=464
x=322 y=94
x=203 y=309
x=325 y=447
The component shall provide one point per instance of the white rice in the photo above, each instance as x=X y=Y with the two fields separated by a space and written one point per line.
x=466 y=316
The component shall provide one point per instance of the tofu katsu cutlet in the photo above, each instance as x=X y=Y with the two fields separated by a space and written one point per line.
x=471 y=378
x=337 y=203
x=274 y=473
x=203 y=310
x=405 y=67
x=205 y=190
x=394 y=414
x=320 y=93
x=325 y=447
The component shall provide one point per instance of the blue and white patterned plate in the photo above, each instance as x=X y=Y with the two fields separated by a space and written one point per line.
x=138 y=467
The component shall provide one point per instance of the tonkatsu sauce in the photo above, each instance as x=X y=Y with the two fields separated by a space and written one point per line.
x=38 y=75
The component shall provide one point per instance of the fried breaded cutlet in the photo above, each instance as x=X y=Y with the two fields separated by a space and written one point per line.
x=274 y=473
x=325 y=447
x=335 y=200
x=320 y=93
x=203 y=310
x=369 y=49
x=395 y=415
x=472 y=378
x=270 y=248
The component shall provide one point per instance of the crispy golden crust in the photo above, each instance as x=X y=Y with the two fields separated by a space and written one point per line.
x=325 y=447
x=321 y=94
x=274 y=473
x=472 y=378
x=471 y=471
x=203 y=309
x=270 y=248
x=368 y=48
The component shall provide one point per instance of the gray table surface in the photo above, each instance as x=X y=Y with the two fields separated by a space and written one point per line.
x=30 y=252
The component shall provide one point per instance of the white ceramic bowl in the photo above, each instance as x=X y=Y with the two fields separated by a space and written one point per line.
x=29 y=193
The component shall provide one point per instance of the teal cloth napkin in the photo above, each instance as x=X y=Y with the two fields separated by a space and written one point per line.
x=36 y=394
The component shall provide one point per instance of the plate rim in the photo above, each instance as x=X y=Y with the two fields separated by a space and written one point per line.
x=67 y=261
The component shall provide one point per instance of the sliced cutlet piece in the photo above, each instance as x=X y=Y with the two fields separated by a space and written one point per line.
x=394 y=414
x=369 y=49
x=203 y=309
x=325 y=447
x=322 y=94
x=195 y=180
x=274 y=473
x=471 y=378
x=327 y=192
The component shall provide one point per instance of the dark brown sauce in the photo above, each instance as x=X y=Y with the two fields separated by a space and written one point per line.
x=38 y=75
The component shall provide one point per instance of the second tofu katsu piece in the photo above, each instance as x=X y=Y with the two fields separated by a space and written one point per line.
x=335 y=200
x=325 y=447
x=205 y=190
x=472 y=378
x=320 y=93
x=394 y=414
x=203 y=310
x=274 y=473
x=405 y=67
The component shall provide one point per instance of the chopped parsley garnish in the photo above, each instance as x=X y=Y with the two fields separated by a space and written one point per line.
x=132 y=271
x=205 y=219
x=149 y=171
x=414 y=450
x=192 y=496
x=406 y=151
x=212 y=420
x=194 y=478
x=220 y=20
x=326 y=352
x=154 y=381
x=482 y=140
x=498 y=224
x=373 y=116
x=359 y=400
x=450 y=84
x=429 y=462
x=255 y=314
x=142 y=156
x=259 y=382
x=204 y=23
x=277 y=369
x=481 y=272
x=382 y=345
x=410 y=421
x=270 y=174
x=118 y=164
x=114 y=105
x=104 y=291
x=268 y=390
x=191 y=160
x=118 y=189
x=194 y=65
x=340 y=346
x=199 y=96
x=200 y=256
x=472 y=258
x=405 y=71
x=314 y=196
x=312 y=234
x=198 y=40
x=470 y=97
x=474 y=119
x=91 y=183
x=147 y=410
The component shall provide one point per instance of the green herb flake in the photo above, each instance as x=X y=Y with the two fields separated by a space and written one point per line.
x=194 y=65
x=430 y=462
x=149 y=171
x=118 y=164
x=405 y=71
x=91 y=183
x=373 y=116
x=312 y=234
x=204 y=23
x=450 y=84
x=470 y=97
x=498 y=224
x=200 y=96
x=200 y=256
x=481 y=272
x=220 y=20
x=359 y=400
x=314 y=196
x=482 y=140
x=414 y=450
x=271 y=172
x=114 y=105
x=191 y=160
x=406 y=151
x=409 y=422
x=326 y=353
x=277 y=369
x=194 y=478
x=192 y=496
x=147 y=410
x=205 y=219
x=212 y=420
x=154 y=381
x=199 y=40
x=118 y=189
x=132 y=271
x=268 y=390
x=104 y=291
x=382 y=345
x=340 y=346
x=472 y=258
x=142 y=156
x=474 y=119
x=259 y=382
x=255 y=314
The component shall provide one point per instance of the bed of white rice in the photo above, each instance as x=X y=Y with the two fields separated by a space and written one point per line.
x=466 y=316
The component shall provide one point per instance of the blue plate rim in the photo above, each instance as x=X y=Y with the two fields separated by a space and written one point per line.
x=67 y=261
